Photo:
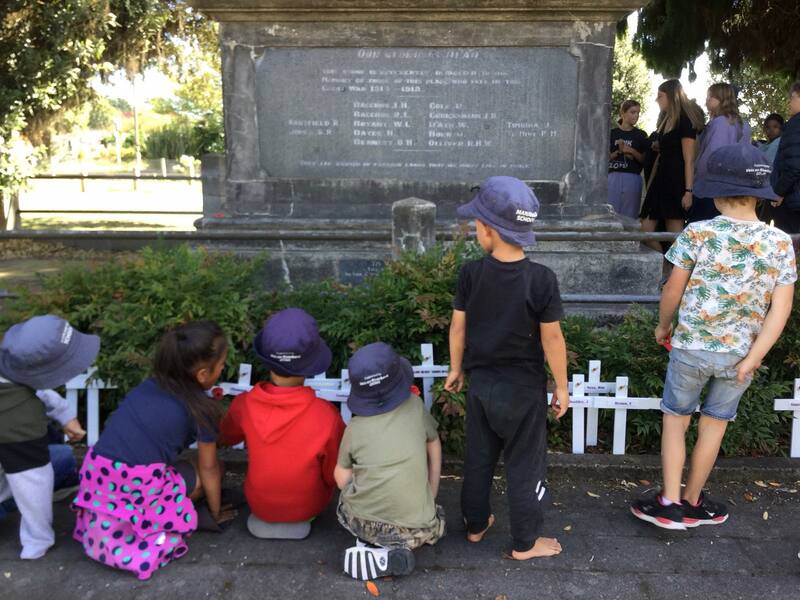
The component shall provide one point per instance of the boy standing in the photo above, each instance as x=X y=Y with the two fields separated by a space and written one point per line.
x=388 y=467
x=292 y=436
x=733 y=278
x=505 y=324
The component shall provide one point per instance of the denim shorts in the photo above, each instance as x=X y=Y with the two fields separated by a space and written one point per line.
x=688 y=373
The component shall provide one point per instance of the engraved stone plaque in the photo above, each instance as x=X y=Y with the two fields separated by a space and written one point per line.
x=422 y=114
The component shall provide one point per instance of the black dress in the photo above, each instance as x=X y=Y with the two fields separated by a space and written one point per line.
x=663 y=199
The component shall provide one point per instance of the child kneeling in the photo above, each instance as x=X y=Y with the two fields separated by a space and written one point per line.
x=388 y=468
x=292 y=436
x=136 y=502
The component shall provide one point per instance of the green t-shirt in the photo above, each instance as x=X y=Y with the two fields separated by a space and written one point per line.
x=22 y=414
x=388 y=455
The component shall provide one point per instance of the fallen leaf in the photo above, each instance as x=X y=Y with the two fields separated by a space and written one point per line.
x=7 y=575
x=502 y=597
x=765 y=516
x=568 y=528
x=373 y=589
x=760 y=483
x=749 y=497
x=644 y=482
x=592 y=494
x=774 y=484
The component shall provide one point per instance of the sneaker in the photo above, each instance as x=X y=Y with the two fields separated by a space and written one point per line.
x=652 y=511
x=707 y=513
x=365 y=562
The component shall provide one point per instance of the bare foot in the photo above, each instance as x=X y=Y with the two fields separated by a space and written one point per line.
x=477 y=537
x=543 y=547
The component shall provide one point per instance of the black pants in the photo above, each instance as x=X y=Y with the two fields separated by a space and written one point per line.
x=511 y=418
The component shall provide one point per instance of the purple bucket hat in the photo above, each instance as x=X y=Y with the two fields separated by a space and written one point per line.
x=45 y=352
x=508 y=206
x=736 y=170
x=290 y=343
x=380 y=380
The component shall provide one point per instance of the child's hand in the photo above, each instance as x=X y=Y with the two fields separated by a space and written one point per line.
x=560 y=402
x=454 y=381
x=745 y=369
x=73 y=430
x=662 y=334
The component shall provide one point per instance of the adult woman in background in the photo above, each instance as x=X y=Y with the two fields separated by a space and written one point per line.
x=628 y=145
x=669 y=191
x=725 y=127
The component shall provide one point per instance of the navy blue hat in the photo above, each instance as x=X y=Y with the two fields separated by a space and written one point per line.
x=290 y=344
x=45 y=352
x=736 y=170
x=508 y=206
x=380 y=380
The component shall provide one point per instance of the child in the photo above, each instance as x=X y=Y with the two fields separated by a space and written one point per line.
x=733 y=278
x=292 y=436
x=505 y=324
x=388 y=468
x=40 y=353
x=773 y=129
x=135 y=502
x=628 y=147
x=725 y=126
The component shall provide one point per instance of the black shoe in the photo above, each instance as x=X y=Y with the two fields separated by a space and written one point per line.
x=652 y=511
x=365 y=562
x=707 y=513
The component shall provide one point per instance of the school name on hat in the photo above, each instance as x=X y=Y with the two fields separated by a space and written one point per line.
x=285 y=356
x=373 y=380
x=526 y=216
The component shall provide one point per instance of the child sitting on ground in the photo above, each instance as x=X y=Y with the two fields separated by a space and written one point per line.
x=292 y=436
x=733 y=279
x=388 y=468
x=136 y=501
x=40 y=353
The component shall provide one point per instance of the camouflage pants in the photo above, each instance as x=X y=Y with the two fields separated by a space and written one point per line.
x=388 y=535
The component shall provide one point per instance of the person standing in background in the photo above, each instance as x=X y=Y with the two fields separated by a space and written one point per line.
x=773 y=129
x=628 y=147
x=669 y=189
x=785 y=211
x=725 y=127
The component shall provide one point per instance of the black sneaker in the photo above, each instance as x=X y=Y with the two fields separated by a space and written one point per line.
x=707 y=513
x=652 y=511
x=365 y=561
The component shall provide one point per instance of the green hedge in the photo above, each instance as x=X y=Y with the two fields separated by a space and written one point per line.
x=130 y=301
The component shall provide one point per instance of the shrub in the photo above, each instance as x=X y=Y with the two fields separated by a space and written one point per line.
x=129 y=302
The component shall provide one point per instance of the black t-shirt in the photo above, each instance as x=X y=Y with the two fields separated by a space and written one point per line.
x=505 y=302
x=637 y=139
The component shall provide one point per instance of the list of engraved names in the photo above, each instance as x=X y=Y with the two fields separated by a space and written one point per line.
x=428 y=114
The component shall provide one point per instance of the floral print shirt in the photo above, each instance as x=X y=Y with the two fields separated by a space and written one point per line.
x=735 y=266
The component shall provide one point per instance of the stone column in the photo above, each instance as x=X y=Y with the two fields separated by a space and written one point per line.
x=413 y=226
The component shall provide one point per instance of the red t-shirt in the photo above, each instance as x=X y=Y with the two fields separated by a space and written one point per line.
x=292 y=442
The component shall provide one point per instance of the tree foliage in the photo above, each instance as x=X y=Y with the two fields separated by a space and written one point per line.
x=631 y=79
x=760 y=93
x=735 y=33
x=52 y=50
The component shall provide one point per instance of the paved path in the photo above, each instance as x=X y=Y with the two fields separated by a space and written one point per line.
x=607 y=554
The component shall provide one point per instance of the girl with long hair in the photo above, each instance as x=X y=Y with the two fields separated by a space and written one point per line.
x=628 y=147
x=725 y=126
x=669 y=190
x=137 y=501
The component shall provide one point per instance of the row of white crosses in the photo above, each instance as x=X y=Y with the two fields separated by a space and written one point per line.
x=587 y=397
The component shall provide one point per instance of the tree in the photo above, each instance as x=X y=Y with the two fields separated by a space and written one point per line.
x=760 y=93
x=672 y=33
x=631 y=79
x=50 y=52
